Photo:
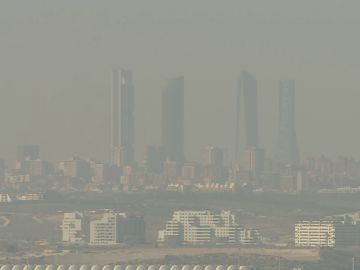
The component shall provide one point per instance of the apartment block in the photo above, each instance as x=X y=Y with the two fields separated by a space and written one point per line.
x=205 y=228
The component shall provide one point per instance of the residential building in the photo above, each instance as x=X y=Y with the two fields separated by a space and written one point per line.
x=203 y=228
x=73 y=228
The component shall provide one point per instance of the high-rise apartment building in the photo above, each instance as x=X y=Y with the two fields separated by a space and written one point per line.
x=287 y=141
x=173 y=119
x=122 y=118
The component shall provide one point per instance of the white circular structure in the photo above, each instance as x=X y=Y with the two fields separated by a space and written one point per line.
x=61 y=267
x=107 y=267
x=175 y=267
x=73 y=267
x=17 y=267
x=51 y=267
x=164 y=267
x=39 y=267
x=186 y=267
x=84 y=267
x=232 y=267
x=119 y=267
x=6 y=267
x=220 y=267
x=140 y=267
x=28 y=267
x=210 y=267
x=153 y=267
x=198 y=267
x=96 y=267
x=130 y=267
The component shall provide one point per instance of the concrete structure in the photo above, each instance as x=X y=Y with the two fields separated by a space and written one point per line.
x=122 y=105
x=315 y=234
x=5 y=198
x=104 y=231
x=173 y=119
x=114 y=228
x=72 y=228
x=204 y=228
x=287 y=142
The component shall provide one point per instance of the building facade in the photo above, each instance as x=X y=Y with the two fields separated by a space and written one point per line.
x=122 y=105
x=204 y=228
x=73 y=228
x=287 y=142
x=173 y=119
x=327 y=233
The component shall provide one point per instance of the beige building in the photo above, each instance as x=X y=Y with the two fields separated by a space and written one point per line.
x=104 y=231
x=72 y=228
x=205 y=227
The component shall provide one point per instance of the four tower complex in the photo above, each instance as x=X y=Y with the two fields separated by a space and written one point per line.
x=122 y=119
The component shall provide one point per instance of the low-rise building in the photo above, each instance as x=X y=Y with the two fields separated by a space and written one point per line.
x=205 y=228
x=73 y=228
x=327 y=233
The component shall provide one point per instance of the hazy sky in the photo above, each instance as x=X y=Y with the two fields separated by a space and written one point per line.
x=56 y=58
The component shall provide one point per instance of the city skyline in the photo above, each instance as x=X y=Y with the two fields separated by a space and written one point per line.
x=276 y=42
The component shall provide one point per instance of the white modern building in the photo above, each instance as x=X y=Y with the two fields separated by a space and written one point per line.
x=205 y=227
x=72 y=228
x=103 y=231
x=327 y=233
x=320 y=233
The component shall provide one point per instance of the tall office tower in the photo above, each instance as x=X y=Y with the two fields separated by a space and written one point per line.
x=173 y=119
x=287 y=141
x=122 y=118
x=247 y=87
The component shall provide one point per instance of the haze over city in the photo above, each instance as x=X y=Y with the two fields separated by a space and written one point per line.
x=179 y=135
x=57 y=59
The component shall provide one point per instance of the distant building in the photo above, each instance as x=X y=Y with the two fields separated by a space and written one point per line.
x=173 y=119
x=115 y=228
x=5 y=198
x=73 y=228
x=214 y=165
x=287 y=142
x=254 y=162
x=326 y=233
x=246 y=99
x=205 y=228
x=76 y=168
x=31 y=197
x=122 y=104
x=154 y=159
x=27 y=152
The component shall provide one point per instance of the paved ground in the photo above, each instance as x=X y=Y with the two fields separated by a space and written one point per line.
x=127 y=255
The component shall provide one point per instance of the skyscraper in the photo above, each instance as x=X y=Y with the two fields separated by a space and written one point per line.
x=247 y=87
x=287 y=141
x=173 y=119
x=122 y=118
